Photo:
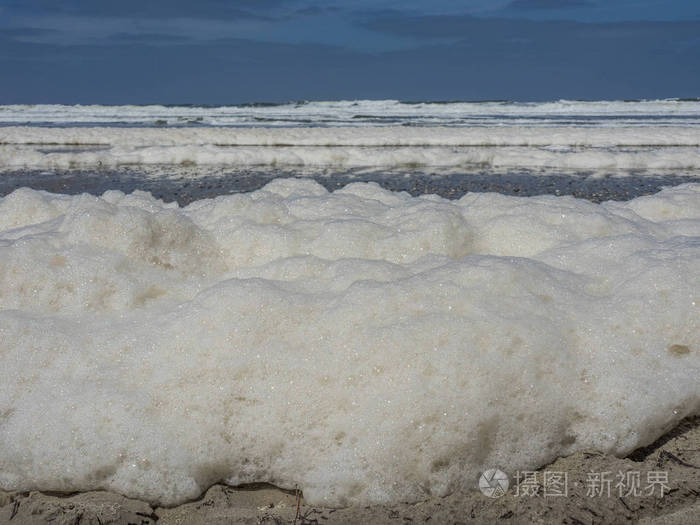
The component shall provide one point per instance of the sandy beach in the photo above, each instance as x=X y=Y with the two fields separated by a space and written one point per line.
x=654 y=485
x=350 y=262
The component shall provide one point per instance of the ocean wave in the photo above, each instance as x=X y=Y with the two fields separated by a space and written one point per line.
x=581 y=148
x=365 y=113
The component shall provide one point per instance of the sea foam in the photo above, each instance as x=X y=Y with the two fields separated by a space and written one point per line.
x=361 y=113
x=365 y=345
x=655 y=147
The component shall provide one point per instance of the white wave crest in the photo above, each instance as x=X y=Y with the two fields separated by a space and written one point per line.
x=369 y=113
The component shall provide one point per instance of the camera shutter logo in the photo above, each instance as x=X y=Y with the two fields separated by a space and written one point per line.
x=493 y=483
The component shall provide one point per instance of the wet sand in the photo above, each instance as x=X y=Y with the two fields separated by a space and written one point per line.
x=186 y=184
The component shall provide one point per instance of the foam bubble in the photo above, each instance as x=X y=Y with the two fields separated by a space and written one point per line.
x=366 y=345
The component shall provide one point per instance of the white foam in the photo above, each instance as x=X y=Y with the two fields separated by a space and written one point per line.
x=365 y=345
x=585 y=148
x=370 y=113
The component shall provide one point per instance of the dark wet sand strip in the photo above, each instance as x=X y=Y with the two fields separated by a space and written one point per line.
x=187 y=184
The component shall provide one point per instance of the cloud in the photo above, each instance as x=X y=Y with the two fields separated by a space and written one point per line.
x=155 y=9
x=440 y=26
x=549 y=4
x=26 y=32
x=557 y=33
x=148 y=38
x=315 y=10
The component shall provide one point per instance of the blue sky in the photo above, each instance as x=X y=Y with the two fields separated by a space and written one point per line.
x=218 y=52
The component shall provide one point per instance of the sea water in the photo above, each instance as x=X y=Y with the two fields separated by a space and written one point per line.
x=365 y=345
